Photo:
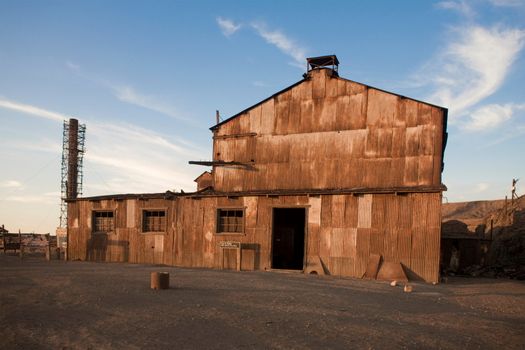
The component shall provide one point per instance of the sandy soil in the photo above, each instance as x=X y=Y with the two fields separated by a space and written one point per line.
x=80 y=305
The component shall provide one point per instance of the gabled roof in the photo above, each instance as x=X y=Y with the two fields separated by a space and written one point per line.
x=201 y=175
x=306 y=77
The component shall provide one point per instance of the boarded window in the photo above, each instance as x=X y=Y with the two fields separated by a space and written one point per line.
x=154 y=221
x=230 y=220
x=103 y=221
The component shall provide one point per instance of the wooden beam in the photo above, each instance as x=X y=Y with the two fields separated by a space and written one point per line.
x=249 y=134
x=217 y=163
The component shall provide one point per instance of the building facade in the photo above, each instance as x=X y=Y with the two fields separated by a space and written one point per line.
x=327 y=172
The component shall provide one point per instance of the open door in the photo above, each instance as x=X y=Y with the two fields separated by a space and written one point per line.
x=288 y=238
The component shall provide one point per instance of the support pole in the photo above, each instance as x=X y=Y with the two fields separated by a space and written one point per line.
x=20 y=252
x=48 y=250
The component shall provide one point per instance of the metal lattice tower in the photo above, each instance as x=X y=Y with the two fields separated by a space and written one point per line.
x=71 y=179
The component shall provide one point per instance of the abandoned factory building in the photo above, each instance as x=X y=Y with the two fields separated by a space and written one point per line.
x=326 y=173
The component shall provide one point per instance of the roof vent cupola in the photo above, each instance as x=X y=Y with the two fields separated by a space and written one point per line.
x=329 y=61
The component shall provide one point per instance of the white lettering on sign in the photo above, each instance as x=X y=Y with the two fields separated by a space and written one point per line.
x=229 y=244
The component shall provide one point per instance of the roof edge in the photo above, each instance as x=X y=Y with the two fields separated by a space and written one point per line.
x=307 y=78
x=208 y=192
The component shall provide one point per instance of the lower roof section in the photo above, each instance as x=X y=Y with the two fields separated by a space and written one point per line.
x=210 y=192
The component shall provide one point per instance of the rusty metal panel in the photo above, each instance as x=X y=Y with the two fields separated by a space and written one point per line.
x=382 y=109
x=411 y=175
x=318 y=84
x=336 y=242
x=364 y=215
x=362 y=250
x=424 y=113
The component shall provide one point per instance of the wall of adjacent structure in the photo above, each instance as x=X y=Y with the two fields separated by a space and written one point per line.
x=342 y=230
x=328 y=133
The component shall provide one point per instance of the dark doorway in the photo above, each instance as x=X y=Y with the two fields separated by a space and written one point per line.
x=288 y=238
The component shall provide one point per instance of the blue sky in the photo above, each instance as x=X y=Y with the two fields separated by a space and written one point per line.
x=147 y=76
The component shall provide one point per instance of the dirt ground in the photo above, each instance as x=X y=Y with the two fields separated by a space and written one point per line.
x=81 y=305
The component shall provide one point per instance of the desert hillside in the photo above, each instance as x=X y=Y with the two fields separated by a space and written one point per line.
x=497 y=226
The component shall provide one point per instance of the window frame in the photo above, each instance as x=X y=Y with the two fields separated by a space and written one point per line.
x=217 y=221
x=93 y=218
x=142 y=221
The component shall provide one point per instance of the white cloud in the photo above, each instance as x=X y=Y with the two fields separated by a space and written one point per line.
x=490 y=116
x=130 y=95
x=283 y=43
x=227 y=26
x=32 y=110
x=32 y=199
x=460 y=6
x=72 y=66
x=473 y=66
x=143 y=160
x=11 y=184
x=259 y=83
x=134 y=159
x=481 y=187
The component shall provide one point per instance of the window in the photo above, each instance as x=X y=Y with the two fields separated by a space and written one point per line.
x=230 y=220
x=154 y=221
x=103 y=221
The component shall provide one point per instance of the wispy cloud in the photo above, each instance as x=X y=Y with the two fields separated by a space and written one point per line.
x=481 y=187
x=72 y=66
x=490 y=116
x=259 y=83
x=461 y=6
x=516 y=131
x=227 y=26
x=11 y=184
x=129 y=158
x=140 y=159
x=287 y=45
x=32 y=110
x=130 y=95
x=472 y=67
x=32 y=198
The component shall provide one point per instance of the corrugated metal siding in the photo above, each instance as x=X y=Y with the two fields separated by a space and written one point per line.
x=343 y=230
x=331 y=133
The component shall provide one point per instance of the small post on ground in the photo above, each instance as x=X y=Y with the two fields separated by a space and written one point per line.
x=160 y=280
x=48 y=250
x=20 y=249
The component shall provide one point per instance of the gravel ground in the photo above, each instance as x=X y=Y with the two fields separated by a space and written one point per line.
x=82 y=305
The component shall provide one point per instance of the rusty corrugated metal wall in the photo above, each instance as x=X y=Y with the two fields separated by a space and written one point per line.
x=368 y=163
x=329 y=132
x=343 y=230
